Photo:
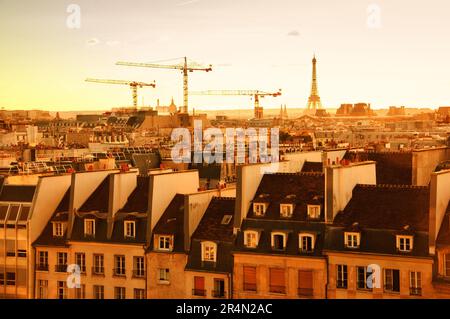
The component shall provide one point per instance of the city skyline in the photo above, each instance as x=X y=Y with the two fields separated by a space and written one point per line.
x=401 y=61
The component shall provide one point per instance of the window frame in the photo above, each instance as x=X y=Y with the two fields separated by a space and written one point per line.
x=405 y=238
x=166 y=239
x=209 y=245
x=58 y=229
x=354 y=235
x=312 y=207
x=313 y=242
x=86 y=223
x=272 y=240
x=290 y=210
x=127 y=223
x=259 y=209
x=254 y=240
x=341 y=276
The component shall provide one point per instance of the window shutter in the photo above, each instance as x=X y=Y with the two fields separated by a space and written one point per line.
x=305 y=279
x=277 y=279
x=250 y=275
x=199 y=283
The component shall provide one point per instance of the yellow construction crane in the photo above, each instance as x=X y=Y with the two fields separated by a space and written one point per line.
x=183 y=67
x=255 y=93
x=132 y=84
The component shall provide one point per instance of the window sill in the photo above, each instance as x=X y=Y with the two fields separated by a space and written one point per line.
x=163 y=282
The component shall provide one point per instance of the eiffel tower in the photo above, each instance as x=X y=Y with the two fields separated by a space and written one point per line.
x=314 y=103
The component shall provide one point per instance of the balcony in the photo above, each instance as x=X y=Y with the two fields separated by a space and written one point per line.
x=218 y=294
x=61 y=268
x=415 y=291
x=305 y=292
x=42 y=267
x=199 y=292
x=277 y=289
x=138 y=273
x=119 y=272
x=98 y=271
x=249 y=287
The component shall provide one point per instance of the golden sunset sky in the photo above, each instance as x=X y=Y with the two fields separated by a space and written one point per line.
x=264 y=44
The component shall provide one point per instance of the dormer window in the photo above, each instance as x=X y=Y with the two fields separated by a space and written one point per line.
x=164 y=242
x=129 y=227
x=307 y=242
x=278 y=241
x=251 y=238
x=286 y=210
x=89 y=227
x=404 y=243
x=314 y=211
x=352 y=239
x=58 y=229
x=259 y=209
x=209 y=250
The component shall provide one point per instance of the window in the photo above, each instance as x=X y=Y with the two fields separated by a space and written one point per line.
x=119 y=265
x=119 y=292
x=199 y=286
x=61 y=259
x=314 y=211
x=80 y=293
x=99 y=292
x=139 y=293
x=209 y=251
x=61 y=290
x=98 y=264
x=10 y=279
x=447 y=265
x=219 y=288
x=305 y=283
x=259 y=209
x=306 y=243
x=391 y=280
x=277 y=280
x=361 y=279
x=89 y=227
x=80 y=260
x=58 y=229
x=404 y=243
x=164 y=243
x=249 y=278
x=139 y=266
x=42 y=261
x=251 y=238
x=286 y=210
x=352 y=240
x=278 y=241
x=21 y=253
x=415 y=283
x=164 y=275
x=130 y=228
x=341 y=276
x=226 y=219
x=42 y=289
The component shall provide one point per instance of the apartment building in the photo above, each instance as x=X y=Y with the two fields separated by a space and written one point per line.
x=278 y=247
x=209 y=268
x=377 y=246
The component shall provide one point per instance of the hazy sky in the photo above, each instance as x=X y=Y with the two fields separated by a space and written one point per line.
x=252 y=44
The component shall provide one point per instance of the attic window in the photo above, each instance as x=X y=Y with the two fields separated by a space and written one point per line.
x=352 y=239
x=279 y=241
x=226 y=219
x=251 y=238
x=404 y=243
x=259 y=209
x=129 y=227
x=209 y=250
x=314 y=211
x=286 y=210
x=307 y=242
x=89 y=227
x=58 y=229
x=164 y=242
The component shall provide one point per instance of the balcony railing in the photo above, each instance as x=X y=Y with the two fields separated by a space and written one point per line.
x=119 y=272
x=249 y=287
x=277 y=289
x=99 y=271
x=61 y=268
x=138 y=273
x=305 y=292
x=42 y=267
x=415 y=291
x=199 y=292
x=218 y=293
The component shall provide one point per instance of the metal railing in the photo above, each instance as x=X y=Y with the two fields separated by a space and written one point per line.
x=199 y=292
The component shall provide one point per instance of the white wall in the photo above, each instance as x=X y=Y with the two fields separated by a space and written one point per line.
x=49 y=193
x=340 y=181
x=424 y=163
x=163 y=187
x=296 y=160
x=439 y=199
x=124 y=185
